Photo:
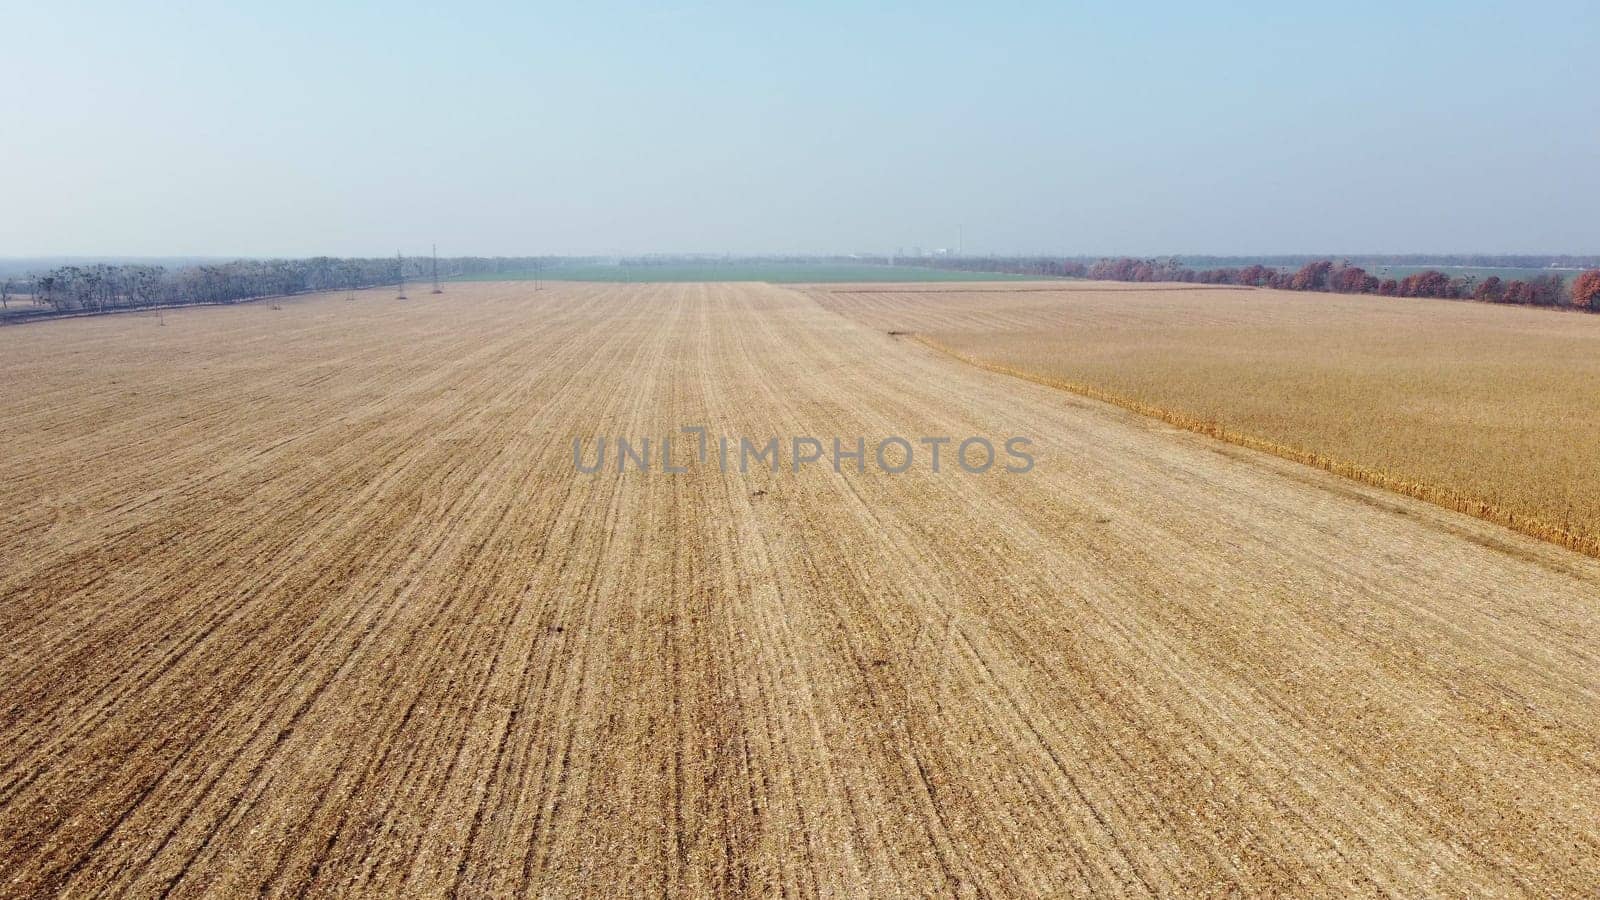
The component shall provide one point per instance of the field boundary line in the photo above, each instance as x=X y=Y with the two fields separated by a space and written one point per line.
x=1438 y=495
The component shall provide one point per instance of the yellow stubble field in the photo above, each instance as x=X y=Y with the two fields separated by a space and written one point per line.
x=1494 y=411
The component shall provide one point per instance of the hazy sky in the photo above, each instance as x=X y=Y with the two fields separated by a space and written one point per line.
x=299 y=128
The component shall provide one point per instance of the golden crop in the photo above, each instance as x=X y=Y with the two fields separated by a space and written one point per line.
x=1487 y=410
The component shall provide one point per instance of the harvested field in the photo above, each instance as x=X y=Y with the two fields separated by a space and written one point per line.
x=313 y=601
x=1485 y=409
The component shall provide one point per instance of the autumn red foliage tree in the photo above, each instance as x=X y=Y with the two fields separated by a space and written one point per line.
x=1517 y=291
x=1312 y=277
x=1586 y=290
x=1429 y=283
x=1353 y=280
x=1254 y=275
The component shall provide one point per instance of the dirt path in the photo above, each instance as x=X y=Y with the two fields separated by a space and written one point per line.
x=313 y=601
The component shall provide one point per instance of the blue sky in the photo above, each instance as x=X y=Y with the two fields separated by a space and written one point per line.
x=361 y=128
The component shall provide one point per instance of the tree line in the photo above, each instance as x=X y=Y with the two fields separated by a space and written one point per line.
x=93 y=288
x=1343 y=278
x=1316 y=275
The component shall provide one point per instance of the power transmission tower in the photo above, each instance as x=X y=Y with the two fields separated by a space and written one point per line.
x=436 y=270
x=400 y=275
